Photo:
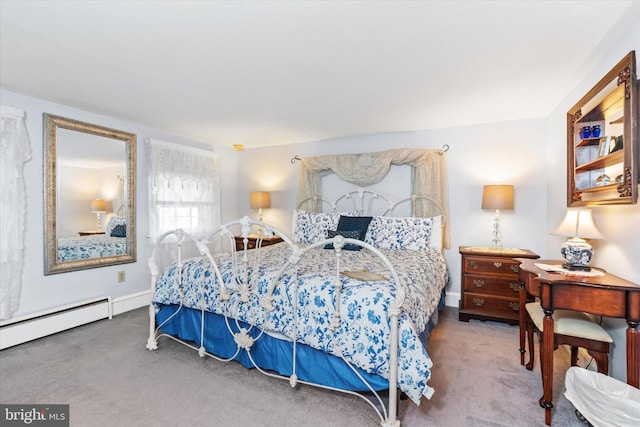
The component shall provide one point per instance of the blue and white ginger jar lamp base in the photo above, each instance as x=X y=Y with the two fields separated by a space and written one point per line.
x=578 y=253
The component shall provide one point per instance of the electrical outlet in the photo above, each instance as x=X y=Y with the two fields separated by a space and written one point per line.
x=120 y=276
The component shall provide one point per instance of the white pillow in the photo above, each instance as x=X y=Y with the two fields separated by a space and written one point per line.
x=435 y=241
x=309 y=227
x=409 y=233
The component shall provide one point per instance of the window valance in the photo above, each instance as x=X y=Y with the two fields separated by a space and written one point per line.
x=428 y=176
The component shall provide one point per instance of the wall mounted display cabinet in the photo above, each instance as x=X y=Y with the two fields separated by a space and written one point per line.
x=602 y=140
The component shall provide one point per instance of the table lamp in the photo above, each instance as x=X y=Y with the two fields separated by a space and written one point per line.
x=577 y=225
x=497 y=197
x=259 y=200
x=97 y=207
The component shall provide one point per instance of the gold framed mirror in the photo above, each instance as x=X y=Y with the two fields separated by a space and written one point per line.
x=90 y=208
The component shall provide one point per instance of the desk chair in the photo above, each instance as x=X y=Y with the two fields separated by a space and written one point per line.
x=572 y=328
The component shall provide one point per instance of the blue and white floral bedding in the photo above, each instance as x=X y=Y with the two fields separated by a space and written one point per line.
x=86 y=247
x=363 y=334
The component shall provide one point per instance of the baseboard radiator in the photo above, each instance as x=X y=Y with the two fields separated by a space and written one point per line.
x=26 y=328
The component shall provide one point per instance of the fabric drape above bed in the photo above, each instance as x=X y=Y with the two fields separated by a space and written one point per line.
x=428 y=176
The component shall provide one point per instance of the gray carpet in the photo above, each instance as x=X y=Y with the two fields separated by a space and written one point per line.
x=109 y=379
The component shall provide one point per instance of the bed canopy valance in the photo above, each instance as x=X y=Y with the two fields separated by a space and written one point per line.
x=428 y=176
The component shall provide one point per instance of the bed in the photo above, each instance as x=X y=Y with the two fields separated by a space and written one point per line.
x=349 y=312
x=112 y=242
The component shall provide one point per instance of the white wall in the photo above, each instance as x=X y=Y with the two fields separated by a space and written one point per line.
x=40 y=292
x=619 y=252
x=510 y=152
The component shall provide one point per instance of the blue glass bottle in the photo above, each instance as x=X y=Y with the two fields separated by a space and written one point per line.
x=596 y=131
x=586 y=132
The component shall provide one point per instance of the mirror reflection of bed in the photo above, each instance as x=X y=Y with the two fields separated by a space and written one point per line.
x=95 y=244
x=91 y=172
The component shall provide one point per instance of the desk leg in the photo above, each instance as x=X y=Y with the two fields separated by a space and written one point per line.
x=521 y=309
x=633 y=354
x=547 y=365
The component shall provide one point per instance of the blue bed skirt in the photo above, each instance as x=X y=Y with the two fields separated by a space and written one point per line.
x=269 y=353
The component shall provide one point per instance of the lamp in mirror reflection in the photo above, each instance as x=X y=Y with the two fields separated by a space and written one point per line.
x=260 y=200
x=97 y=207
x=497 y=197
x=577 y=225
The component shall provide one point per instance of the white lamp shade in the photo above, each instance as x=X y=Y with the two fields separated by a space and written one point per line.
x=578 y=223
x=497 y=197
x=260 y=199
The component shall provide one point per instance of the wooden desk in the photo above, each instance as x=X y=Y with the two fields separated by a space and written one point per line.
x=606 y=295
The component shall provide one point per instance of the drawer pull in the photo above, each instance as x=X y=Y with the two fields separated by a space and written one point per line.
x=479 y=283
x=515 y=286
x=497 y=264
x=515 y=268
x=478 y=301
x=514 y=306
x=473 y=265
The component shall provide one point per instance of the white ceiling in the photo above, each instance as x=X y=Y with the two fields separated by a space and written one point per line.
x=277 y=72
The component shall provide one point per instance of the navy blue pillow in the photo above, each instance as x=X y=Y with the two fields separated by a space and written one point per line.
x=119 y=230
x=347 y=234
x=350 y=223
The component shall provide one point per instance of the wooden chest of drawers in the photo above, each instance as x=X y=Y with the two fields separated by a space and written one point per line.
x=253 y=240
x=90 y=233
x=490 y=287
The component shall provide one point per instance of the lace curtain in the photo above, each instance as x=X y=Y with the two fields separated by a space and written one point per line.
x=428 y=176
x=14 y=151
x=184 y=189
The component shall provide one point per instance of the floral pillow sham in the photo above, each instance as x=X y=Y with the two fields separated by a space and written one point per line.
x=309 y=227
x=417 y=234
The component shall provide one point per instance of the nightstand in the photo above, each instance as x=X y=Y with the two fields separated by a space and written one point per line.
x=490 y=287
x=90 y=233
x=252 y=242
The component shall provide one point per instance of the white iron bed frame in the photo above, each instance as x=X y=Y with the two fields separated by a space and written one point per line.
x=360 y=199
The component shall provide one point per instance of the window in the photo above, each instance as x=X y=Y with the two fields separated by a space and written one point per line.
x=184 y=189
x=171 y=216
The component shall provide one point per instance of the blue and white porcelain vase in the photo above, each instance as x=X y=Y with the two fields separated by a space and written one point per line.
x=577 y=252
